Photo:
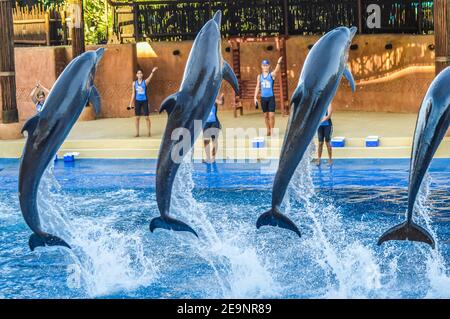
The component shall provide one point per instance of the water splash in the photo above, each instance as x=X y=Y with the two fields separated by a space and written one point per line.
x=103 y=260
x=227 y=246
x=438 y=273
x=349 y=267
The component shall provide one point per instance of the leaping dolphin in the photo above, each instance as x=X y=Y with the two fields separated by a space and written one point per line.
x=203 y=75
x=432 y=123
x=322 y=71
x=48 y=130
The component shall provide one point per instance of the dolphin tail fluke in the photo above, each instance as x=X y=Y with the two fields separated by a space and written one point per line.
x=170 y=223
x=274 y=217
x=408 y=231
x=47 y=240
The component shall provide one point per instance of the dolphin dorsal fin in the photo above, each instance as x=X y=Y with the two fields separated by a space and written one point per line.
x=348 y=75
x=95 y=99
x=169 y=103
x=31 y=124
x=230 y=77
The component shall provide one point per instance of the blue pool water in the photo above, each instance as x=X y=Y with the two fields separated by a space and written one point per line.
x=102 y=208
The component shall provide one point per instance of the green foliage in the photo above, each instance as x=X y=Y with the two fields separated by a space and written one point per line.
x=96 y=17
x=50 y=3
x=95 y=21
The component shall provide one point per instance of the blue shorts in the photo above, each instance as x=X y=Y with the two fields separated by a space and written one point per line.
x=324 y=133
x=268 y=104
x=141 y=108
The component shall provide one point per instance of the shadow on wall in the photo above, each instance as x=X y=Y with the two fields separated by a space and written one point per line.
x=392 y=72
x=373 y=57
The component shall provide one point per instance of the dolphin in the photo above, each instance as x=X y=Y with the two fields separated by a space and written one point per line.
x=48 y=130
x=203 y=75
x=322 y=71
x=432 y=123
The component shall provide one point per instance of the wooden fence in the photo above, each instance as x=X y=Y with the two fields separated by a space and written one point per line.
x=181 y=20
x=169 y=20
x=39 y=26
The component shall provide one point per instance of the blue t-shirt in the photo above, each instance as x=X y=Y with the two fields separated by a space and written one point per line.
x=325 y=123
x=39 y=107
x=141 y=90
x=212 y=117
x=266 y=85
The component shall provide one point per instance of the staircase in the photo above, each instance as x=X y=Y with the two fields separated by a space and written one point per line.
x=247 y=87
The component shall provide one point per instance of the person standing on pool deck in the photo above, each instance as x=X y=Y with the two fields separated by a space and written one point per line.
x=39 y=97
x=139 y=96
x=324 y=133
x=211 y=131
x=266 y=80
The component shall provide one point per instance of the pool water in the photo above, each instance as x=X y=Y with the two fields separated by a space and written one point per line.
x=102 y=208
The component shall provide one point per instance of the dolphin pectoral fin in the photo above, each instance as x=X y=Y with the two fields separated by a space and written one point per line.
x=230 y=77
x=348 y=75
x=95 y=99
x=31 y=124
x=274 y=217
x=43 y=131
x=297 y=96
x=169 y=104
x=170 y=223
x=47 y=240
x=408 y=231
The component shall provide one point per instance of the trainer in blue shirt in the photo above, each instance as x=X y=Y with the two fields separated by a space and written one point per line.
x=39 y=97
x=265 y=82
x=139 y=97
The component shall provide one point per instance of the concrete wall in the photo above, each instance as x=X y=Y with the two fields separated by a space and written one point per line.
x=392 y=80
x=113 y=79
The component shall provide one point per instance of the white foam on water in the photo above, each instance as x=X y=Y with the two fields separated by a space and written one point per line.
x=438 y=273
x=350 y=268
x=355 y=270
x=238 y=270
x=103 y=260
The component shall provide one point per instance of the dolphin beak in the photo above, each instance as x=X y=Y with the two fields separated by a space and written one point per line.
x=353 y=31
x=218 y=17
x=99 y=52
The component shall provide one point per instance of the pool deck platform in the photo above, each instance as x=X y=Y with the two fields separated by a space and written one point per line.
x=114 y=138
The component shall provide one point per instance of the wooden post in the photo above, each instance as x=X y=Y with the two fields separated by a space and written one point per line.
x=419 y=16
x=47 y=28
x=7 y=66
x=78 y=46
x=236 y=53
x=282 y=79
x=137 y=36
x=441 y=34
x=286 y=17
x=64 y=27
x=360 y=13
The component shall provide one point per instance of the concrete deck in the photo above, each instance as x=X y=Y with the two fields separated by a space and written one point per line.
x=114 y=138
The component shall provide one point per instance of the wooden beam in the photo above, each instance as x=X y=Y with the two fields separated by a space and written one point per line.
x=360 y=16
x=441 y=34
x=7 y=64
x=77 y=36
